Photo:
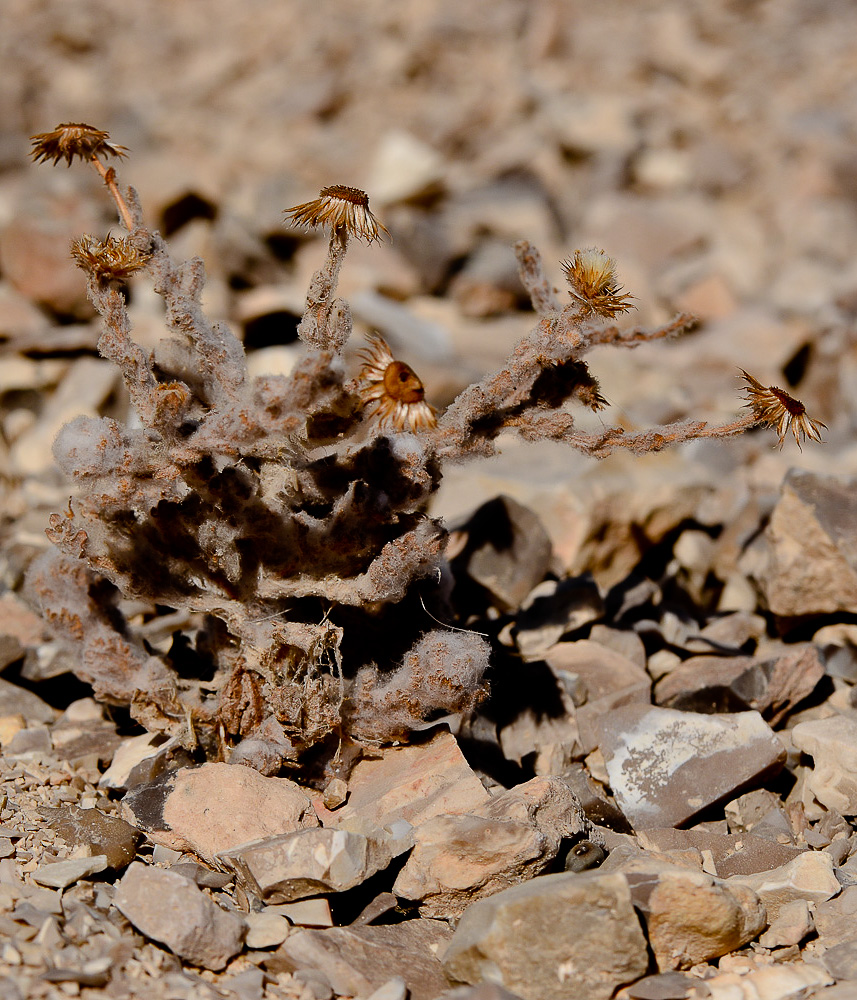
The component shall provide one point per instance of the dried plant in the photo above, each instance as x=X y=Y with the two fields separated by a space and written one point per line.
x=286 y=515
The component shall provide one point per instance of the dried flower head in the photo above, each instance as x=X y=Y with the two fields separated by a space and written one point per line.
x=73 y=139
x=776 y=408
x=112 y=260
x=393 y=392
x=591 y=276
x=339 y=207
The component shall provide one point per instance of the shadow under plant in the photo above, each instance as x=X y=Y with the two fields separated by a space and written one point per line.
x=286 y=515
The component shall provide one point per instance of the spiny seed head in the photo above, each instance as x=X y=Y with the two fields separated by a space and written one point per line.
x=592 y=281
x=73 y=139
x=339 y=207
x=115 y=259
x=392 y=390
x=774 y=407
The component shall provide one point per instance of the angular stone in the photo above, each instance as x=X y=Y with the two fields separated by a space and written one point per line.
x=663 y=986
x=841 y=961
x=15 y=700
x=609 y=678
x=760 y=813
x=212 y=808
x=513 y=837
x=790 y=926
x=733 y=854
x=558 y=937
x=171 y=910
x=775 y=982
x=666 y=766
x=553 y=608
x=507 y=551
x=413 y=782
x=306 y=863
x=836 y=919
x=358 y=961
x=809 y=876
x=99 y=834
x=62 y=874
x=832 y=744
x=690 y=917
x=266 y=930
x=809 y=551
x=738 y=683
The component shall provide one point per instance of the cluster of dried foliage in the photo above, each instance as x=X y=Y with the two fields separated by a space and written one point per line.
x=286 y=515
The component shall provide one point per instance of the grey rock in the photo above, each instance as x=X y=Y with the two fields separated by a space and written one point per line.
x=761 y=813
x=16 y=700
x=357 y=961
x=266 y=930
x=836 y=918
x=841 y=961
x=212 y=808
x=484 y=991
x=306 y=863
x=832 y=744
x=171 y=910
x=790 y=926
x=663 y=986
x=666 y=766
x=732 y=854
x=558 y=937
x=553 y=608
x=62 y=874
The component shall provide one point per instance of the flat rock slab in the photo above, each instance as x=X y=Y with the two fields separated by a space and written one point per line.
x=170 y=909
x=413 y=783
x=557 y=937
x=733 y=854
x=62 y=874
x=666 y=766
x=358 y=961
x=215 y=807
x=809 y=876
x=99 y=833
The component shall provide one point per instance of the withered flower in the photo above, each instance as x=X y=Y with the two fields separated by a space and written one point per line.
x=73 y=139
x=774 y=407
x=339 y=207
x=112 y=260
x=593 y=284
x=393 y=392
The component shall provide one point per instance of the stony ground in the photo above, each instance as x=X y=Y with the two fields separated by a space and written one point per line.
x=659 y=799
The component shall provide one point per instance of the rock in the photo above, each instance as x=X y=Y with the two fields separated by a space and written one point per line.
x=414 y=783
x=513 y=837
x=305 y=863
x=96 y=832
x=690 y=917
x=789 y=927
x=735 y=684
x=610 y=680
x=484 y=991
x=732 y=854
x=404 y=168
x=760 y=813
x=841 y=960
x=776 y=982
x=171 y=910
x=808 y=556
x=306 y=912
x=666 y=766
x=558 y=937
x=663 y=986
x=393 y=989
x=553 y=608
x=405 y=330
x=215 y=807
x=836 y=919
x=62 y=874
x=358 y=961
x=142 y=759
x=832 y=744
x=16 y=700
x=507 y=551
x=809 y=876
x=266 y=930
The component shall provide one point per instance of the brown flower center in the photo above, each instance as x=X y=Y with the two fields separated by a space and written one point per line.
x=402 y=383
x=794 y=406
x=353 y=195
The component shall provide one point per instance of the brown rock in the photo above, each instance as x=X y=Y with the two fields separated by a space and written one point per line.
x=215 y=807
x=99 y=834
x=689 y=916
x=666 y=766
x=732 y=854
x=832 y=744
x=413 y=782
x=557 y=937
x=358 y=961
x=836 y=919
x=809 y=876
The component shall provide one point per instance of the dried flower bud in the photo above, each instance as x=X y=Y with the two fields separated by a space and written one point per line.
x=774 y=407
x=591 y=276
x=73 y=139
x=393 y=392
x=339 y=207
x=113 y=260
